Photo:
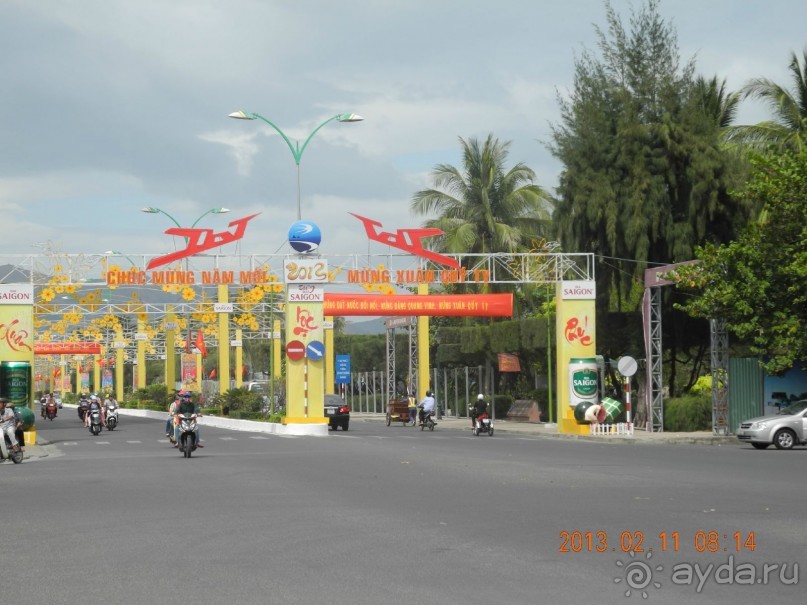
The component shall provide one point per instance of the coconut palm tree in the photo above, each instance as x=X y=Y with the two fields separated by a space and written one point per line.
x=788 y=128
x=484 y=208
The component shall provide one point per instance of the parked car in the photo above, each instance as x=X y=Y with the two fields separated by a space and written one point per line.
x=784 y=430
x=337 y=412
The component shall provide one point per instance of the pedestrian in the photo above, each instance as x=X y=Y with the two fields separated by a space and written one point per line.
x=413 y=409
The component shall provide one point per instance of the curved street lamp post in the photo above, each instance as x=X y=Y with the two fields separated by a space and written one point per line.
x=295 y=148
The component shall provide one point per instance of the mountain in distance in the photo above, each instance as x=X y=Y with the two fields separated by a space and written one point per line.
x=365 y=327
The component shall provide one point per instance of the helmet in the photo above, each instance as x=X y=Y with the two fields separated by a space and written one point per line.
x=3 y=400
x=429 y=394
x=480 y=397
x=186 y=394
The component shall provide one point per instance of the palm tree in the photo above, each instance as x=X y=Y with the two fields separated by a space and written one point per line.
x=483 y=209
x=788 y=129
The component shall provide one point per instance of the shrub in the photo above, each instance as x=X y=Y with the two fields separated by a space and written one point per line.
x=502 y=405
x=688 y=413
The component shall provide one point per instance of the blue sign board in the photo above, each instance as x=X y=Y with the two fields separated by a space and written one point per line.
x=315 y=350
x=342 y=369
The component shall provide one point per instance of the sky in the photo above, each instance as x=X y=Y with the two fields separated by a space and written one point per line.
x=109 y=106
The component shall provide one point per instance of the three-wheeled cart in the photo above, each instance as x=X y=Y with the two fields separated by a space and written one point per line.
x=398 y=411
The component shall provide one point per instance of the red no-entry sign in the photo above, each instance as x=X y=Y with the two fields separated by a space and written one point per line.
x=295 y=350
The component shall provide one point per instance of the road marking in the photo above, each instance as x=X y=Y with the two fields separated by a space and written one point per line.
x=134 y=442
x=228 y=438
x=102 y=442
x=257 y=437
x=70 y=443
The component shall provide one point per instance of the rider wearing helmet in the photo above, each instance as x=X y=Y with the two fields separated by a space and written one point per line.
x=426 y=405
x=186 y=406
x=480 y=409
x=94 y=404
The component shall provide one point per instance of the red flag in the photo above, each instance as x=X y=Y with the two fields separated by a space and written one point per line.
x=200 y=343
x=56 y=372
x=212 y=374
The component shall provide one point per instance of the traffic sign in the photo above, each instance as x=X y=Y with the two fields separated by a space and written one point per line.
x=342 y=369
x=315 y=350
x=295 y=350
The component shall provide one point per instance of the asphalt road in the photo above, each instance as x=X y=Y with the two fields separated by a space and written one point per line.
x=395 y=515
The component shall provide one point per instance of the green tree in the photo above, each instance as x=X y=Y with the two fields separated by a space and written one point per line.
x=756 y=284
x=788 y=128
x=484 y=208
x=644 y=178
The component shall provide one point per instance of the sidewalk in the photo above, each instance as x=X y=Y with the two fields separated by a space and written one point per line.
x=551 y=431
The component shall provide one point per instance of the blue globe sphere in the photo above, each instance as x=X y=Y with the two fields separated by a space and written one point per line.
x=304 y=237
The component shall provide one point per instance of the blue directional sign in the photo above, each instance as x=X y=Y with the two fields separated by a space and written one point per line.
x=315 y=350
x=342 y=369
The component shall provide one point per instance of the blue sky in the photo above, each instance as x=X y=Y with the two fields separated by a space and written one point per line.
x=110 y=105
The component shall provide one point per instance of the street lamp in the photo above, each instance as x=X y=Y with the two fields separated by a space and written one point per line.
x=296 y=150
x=153 y=210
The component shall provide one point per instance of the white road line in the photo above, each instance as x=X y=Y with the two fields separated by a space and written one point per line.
x=228 y=438
x=257 y=437
x=70 y=443
x=102 y=442
x=134 y=442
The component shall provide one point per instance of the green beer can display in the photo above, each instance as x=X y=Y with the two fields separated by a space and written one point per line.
x=583 y=381
x=15 y=382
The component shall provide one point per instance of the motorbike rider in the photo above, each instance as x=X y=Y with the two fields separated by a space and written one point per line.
x=480 y=409
x=172 y=415
x=186 y=406
x=110 y=404
x=426 y=405
x=94 y=404
x=43 y=404
x=8 y=424
x=83 y=404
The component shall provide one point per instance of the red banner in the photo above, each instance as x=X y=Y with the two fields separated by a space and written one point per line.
x=67 y=348
x=474 y=305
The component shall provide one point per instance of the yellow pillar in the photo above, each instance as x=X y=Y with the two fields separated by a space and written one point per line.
x=96 y=373
x=423 y=348
x=575 y=337
x=199 y=366
x=170 y=351
x=120 y=358
x=141 y=354
x=276 y=350
x=62 y=372
x=329 y=358
x=78 y=374
x=224 y=344
x=239 y=360
x=305 y=391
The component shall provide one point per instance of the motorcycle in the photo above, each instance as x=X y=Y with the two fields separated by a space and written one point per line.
x=83 y=406
x=111 y=418
x=50 y=411
x=187 y=434
x=42 y=405
x=6 y=451
x=427 y=421
x=95 y=421
x=483 y=425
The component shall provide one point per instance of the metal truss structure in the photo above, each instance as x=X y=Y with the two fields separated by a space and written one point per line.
x=720 y=376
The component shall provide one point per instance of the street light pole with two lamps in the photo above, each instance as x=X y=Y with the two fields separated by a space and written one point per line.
x=295 y=148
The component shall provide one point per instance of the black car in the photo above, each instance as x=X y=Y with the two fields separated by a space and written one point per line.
x=337 y=412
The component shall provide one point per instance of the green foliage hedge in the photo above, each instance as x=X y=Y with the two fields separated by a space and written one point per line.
x=688 y=413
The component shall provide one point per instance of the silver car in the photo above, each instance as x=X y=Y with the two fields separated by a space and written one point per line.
x=786 y=429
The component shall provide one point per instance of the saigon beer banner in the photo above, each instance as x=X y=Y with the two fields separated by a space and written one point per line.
x=17 y=322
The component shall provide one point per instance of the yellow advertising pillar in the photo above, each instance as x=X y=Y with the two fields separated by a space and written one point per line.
x=199 y=367
x=17 y=348
x=141 y=337
x=239 y=359
x=62 y=375
x=576 y=350
x=423 y=348
x=78 y=359
x=305 y=341
x=171 y=326
x=224 y=343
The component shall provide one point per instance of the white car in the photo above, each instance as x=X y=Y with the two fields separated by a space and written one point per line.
x=784 y=430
